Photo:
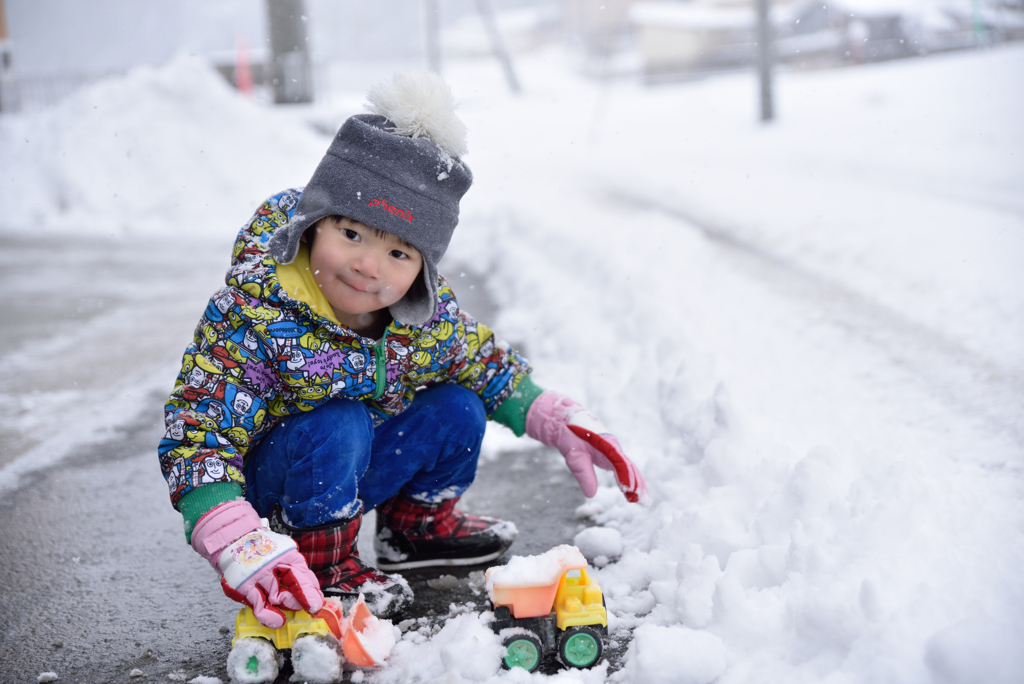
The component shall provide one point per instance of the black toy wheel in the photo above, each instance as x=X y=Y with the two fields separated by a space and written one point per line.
x=580 y=647
x=521 y=650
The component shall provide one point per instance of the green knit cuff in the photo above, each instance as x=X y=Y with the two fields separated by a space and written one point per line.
x=201 y=500
x=512 y=412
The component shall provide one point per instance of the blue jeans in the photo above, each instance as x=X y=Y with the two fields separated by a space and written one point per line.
x=327 y=464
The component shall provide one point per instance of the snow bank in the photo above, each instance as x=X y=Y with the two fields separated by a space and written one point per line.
x=155 y=151
x=833 y=520
x=673 y=655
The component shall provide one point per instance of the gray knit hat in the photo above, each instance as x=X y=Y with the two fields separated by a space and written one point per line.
x=398 y=170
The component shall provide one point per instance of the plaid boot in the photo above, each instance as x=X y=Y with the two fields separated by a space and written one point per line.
x=331 y=553
x=411 y=534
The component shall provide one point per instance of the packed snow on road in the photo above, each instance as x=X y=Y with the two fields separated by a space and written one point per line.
x=807 y=335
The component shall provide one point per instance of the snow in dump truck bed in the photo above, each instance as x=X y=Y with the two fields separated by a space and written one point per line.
x=535 y=571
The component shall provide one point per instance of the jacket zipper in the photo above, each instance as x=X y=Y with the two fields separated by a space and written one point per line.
x=380 y=371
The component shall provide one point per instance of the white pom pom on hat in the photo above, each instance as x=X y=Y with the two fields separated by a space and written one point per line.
x=420 y=104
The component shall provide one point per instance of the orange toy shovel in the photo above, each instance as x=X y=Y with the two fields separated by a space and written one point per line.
x=352 y=642
x=349 y=631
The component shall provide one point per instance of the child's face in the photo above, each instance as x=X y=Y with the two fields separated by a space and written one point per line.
x=359 y=269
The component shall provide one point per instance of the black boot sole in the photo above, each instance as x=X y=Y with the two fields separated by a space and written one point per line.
x=414 y=562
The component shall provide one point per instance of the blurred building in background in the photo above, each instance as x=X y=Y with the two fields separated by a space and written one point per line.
x=675 y=36
x=48 y=48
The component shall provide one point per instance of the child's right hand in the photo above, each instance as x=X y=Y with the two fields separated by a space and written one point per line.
x=259 y=568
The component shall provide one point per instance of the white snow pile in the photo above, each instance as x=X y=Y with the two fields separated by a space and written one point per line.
x=599 y=544
x=674 y=655
x=164 y=151
x=316 y=661
x=464 y=650
x=838 y=492
x=378 y=637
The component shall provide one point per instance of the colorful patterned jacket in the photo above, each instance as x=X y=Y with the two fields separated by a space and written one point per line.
x=259 y=355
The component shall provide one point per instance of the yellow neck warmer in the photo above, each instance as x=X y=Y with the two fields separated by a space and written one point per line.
x=297 y=280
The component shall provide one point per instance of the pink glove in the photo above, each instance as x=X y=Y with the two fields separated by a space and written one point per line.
x=259 y=568
x=560 y=422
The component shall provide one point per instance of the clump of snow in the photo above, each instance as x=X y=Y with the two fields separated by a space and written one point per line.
x=444 y=582
x=136 y=673
x=539 y=570
x=47 y=677
x=203 y=679
x=464 y=650
x=505 y=530
x=380 y=601
x=316 y=660
x=595 y=542
x=673 y=655
x=977 y=649
x=378 y=637
x=266 y=655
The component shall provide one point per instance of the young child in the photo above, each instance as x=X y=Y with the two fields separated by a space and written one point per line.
x=335 y=374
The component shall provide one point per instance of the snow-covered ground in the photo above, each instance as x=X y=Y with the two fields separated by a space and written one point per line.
x=807 y=334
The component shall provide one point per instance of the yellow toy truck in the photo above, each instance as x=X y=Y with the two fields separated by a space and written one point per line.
x=544 y=603
x=319 y=644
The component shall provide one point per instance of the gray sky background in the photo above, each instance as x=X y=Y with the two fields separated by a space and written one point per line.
x=111 y=35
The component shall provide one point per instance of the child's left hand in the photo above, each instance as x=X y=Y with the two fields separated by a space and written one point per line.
x=585 y=442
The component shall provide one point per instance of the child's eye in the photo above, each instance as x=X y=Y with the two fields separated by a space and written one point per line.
x=398 y=254
x=350 y=234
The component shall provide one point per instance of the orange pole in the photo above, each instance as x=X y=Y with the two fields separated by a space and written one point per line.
x=3 y=22
x=243 y=67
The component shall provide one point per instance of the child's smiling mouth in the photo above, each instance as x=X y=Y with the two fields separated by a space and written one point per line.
x=357 y=288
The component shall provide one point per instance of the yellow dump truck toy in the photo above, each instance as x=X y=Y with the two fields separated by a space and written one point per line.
x=548 y=602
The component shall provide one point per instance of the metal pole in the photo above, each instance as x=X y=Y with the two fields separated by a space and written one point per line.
x=5 y=55
x=432 y=28
x=290 y=68
x=764 y=61
x=491 y=24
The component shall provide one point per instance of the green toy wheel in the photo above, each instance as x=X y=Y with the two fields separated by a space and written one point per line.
x=253 y=661
x=580 y=647
x=522 y=650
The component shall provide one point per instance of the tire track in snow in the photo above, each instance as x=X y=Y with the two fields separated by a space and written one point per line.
x=963 y=378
